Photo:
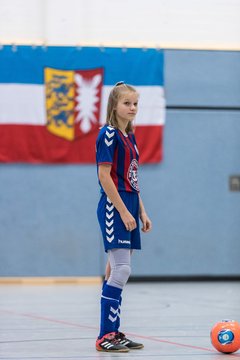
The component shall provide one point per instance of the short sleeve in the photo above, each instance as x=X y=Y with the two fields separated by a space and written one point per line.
x=105 y=146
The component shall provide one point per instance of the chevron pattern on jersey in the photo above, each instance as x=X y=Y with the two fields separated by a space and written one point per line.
x=109 y=136
x=109 y=221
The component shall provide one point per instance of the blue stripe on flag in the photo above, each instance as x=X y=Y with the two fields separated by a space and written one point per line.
x=133 y=65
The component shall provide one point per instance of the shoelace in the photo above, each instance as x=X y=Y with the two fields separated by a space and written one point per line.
x=121 y=336
x=115 y=341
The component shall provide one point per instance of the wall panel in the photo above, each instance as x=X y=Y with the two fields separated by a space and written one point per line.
x=48 y=223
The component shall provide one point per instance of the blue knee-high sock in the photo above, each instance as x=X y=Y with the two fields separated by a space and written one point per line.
x=103 y=284
x=117 y=324
x=119 y=313
x=109 y=309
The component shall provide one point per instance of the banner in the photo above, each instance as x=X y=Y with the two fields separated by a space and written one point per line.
x=53 y=101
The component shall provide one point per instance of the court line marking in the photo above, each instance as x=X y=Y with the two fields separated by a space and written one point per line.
x=150 y=338
x=33 y=316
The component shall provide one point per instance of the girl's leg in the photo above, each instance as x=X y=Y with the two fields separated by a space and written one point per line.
x=107 y=275
x=107 y=271
x=119 y=260
x=108 y=268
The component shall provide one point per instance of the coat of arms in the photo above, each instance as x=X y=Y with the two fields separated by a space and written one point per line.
x=73 y=100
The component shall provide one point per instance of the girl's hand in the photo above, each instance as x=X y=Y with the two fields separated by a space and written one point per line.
x=147 y=224
x=128 y=220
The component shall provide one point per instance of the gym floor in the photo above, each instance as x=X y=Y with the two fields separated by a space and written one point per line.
x=172 y=319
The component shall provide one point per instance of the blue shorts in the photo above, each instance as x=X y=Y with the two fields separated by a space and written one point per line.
x=115 y=235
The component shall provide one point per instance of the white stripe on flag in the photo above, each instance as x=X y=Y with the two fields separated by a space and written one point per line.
x=25 y=104
x=22 y=104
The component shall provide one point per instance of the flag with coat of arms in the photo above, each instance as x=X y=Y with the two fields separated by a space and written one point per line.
x=53 y=101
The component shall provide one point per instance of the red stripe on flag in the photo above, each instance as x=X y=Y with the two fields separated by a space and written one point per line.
x=150 y=143
x=35 y=144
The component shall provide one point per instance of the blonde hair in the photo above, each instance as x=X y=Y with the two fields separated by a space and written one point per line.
x=113 y=98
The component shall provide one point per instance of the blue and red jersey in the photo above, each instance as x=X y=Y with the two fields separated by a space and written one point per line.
x=121 y=152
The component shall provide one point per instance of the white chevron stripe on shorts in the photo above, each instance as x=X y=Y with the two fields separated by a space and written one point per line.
x=109 y=231
x=109 y=223
x=110 y=239
x=109 y=220
x=109 y=216
x=109 y=208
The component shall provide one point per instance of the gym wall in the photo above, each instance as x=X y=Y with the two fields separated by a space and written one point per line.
x=48 y=224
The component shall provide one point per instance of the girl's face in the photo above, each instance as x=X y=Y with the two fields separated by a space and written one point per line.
x=127 y=106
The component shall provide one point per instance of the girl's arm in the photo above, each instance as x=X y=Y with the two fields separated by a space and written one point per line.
x=110 y=189
x=147 y=224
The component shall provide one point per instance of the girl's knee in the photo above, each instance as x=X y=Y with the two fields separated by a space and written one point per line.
x=122 y=274
x=119 y=275
x=125 y=271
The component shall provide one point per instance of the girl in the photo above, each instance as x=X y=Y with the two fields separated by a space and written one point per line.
x=119 y=209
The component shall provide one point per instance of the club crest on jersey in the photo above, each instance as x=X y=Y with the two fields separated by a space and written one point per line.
x=73 y=100
x=133 y=174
